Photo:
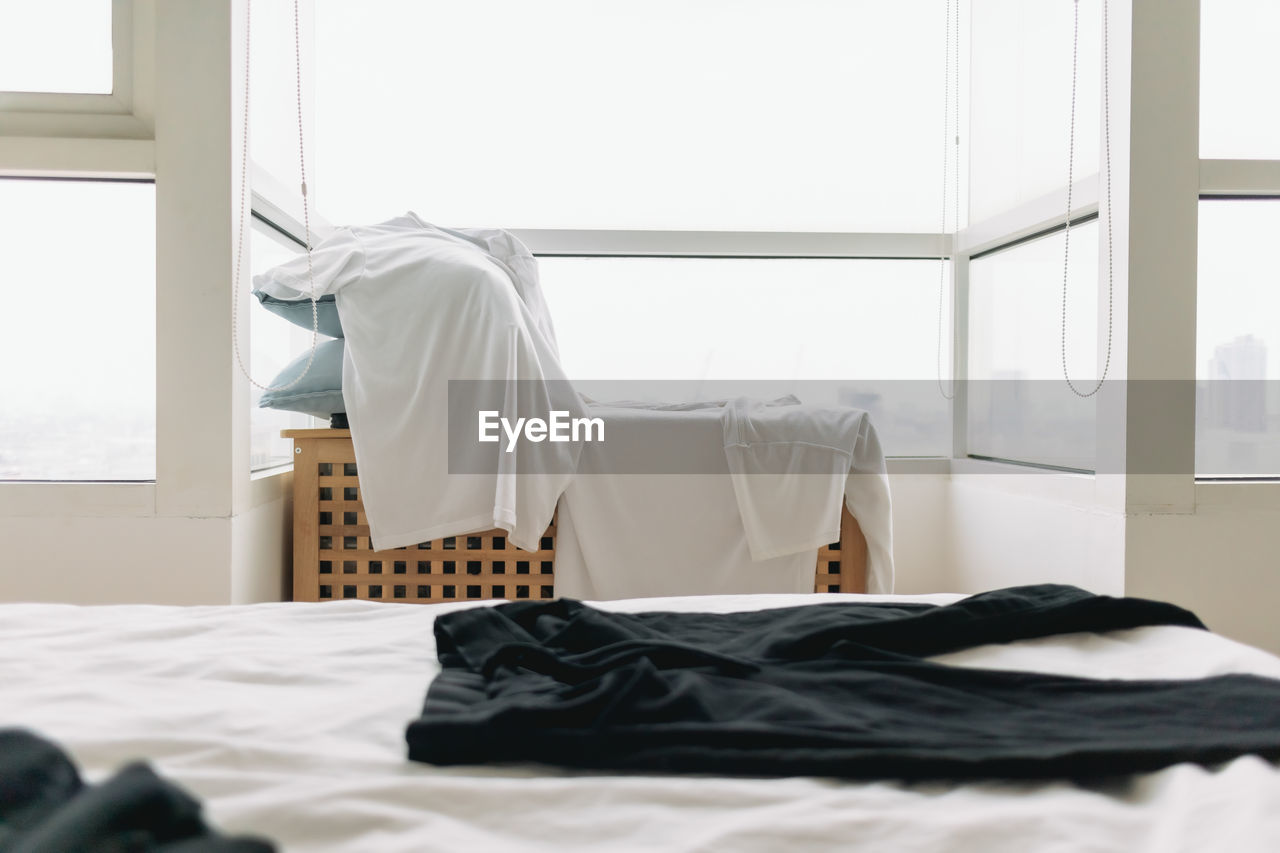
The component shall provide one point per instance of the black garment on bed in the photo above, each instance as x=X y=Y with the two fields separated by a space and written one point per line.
x=838 y=689
x=45 y=808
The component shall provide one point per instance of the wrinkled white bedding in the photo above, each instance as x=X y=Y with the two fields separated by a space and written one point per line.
x=288 y=720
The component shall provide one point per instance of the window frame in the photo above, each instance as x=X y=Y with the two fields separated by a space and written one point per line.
x=1087 y=213
x=284 y=236
x=125 y=113
x=96 y=136
x=759 y=245
x=1036 y=218
x=1224 y=179
x=1219 y=178
x=1237 y=180
x=85 y=180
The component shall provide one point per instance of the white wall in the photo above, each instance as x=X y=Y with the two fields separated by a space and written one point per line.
x=85 y=543
x=1222 y=561
x=262 y=549
x=118 y=560
x=1017 y=528
x=921 y=541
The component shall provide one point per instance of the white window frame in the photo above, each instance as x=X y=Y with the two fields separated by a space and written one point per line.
x=88 y=136
x=755 y=245
x=1176 y=124
x=95 y=136
x=284 y=236
x=125 y=113
x=1041 y=216
x=281 y=205
x=1223 y=180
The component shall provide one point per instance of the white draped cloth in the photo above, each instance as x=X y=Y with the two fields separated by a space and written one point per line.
x=760 y=490
x=421 y=306
x=792 y=464
x=746 y=494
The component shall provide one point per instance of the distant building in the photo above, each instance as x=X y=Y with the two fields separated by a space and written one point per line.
x=1236 y=395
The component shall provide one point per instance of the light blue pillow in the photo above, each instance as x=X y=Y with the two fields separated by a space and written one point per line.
x=299 y=313
x=320 y=391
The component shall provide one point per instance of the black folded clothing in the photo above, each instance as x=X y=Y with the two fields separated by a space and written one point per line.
x=837 y=689
x=46 y=808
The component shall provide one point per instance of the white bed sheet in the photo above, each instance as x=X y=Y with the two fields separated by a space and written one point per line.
x=288 y=720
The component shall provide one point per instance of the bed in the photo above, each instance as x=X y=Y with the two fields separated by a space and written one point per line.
x=288 y=721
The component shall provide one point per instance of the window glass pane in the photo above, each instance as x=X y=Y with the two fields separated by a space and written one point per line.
x=1019 y=406
x=676 y=114
x=56 y=46
x=1238 y=66
x=274 y=343
x=273 y=92
x=1238 y=340
x=1021 y=66
x=79 y=377
x=838 y=332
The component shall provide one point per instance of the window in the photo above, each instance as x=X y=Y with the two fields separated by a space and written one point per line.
x=805 y=115
x=274 y=342
x=79 y=378
x=839 y=332
x=273 y=95
x=1022 y=100
x=685 y=120
x=1238 y=61
x=1238 y=340
x=56 y=46
x=1019 y=407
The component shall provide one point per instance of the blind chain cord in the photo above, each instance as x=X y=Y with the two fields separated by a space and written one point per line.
x=306 y=216
x=1071 y=150
x=950 y=144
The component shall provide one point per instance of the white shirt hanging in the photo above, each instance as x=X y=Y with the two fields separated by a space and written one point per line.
x=485 y=319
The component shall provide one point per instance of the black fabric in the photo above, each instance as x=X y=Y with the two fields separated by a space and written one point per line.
x=45 y=808
x=836 y=689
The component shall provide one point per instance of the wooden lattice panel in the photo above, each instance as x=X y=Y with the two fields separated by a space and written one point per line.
x=842 y=566
x=827 y=578
x=333 y=557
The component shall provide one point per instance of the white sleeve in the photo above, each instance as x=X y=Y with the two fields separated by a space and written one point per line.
x=335 y=262
x=866 y=493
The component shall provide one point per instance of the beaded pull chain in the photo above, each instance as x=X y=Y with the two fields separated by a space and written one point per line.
x=950 y=145
x=306 y=215
x=1071 y=153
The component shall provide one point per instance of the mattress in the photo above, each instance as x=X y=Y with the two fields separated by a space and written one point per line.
x=288 y=721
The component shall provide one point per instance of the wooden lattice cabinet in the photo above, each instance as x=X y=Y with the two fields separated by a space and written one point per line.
x=333 y=556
